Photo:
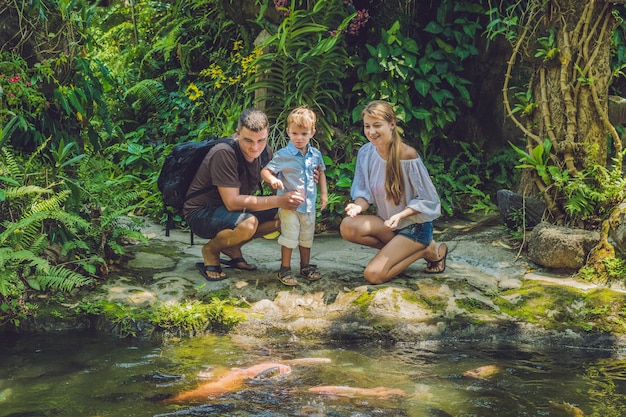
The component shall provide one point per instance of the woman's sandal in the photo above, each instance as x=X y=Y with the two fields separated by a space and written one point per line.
x=285 y=276
x=431 y=267
x=310 y=272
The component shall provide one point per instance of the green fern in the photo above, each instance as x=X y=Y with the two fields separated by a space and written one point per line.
x=23 y=237
x=10 y=167
x=593 y=191
x=304 y=65
x=58 y=278
x=150 y=94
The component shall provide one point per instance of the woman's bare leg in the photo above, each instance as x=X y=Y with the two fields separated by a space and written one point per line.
x=366 y=230
x=396 y=252
x=396 y=256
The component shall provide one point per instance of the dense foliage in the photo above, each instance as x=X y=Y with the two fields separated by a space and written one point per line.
x=93 y=97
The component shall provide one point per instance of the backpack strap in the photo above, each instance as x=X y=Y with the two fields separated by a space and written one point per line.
x=168 y=220
x=240 y=168
x=231 y=142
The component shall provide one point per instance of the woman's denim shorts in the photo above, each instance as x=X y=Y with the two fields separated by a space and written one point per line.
x=418 y=232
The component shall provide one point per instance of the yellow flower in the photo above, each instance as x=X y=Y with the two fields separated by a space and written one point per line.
x=237 y=45
x=193 y=92
x=214 y=71
x=246 y=63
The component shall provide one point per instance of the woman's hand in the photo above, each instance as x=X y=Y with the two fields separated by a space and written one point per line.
x=353 y=209
x=393 y=221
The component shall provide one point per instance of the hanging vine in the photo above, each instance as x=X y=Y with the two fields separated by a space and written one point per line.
x=562 y=47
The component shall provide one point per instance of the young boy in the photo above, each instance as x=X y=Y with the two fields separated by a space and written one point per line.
x=291 y=169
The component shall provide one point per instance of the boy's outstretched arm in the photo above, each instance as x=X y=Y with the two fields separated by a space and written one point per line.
x=271 y=179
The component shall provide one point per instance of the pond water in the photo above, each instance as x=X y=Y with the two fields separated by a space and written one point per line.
x=86 y=375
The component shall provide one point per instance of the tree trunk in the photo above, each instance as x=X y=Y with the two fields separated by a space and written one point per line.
x=568 y=47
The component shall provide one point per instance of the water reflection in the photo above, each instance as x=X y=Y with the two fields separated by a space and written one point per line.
x=83 y=375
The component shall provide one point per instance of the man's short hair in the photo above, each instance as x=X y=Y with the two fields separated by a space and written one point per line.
x=253 y=119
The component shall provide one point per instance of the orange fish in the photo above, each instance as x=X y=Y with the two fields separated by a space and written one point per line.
x=230 y=381
x=345 y=391
x=570 y=409
x=483 y=372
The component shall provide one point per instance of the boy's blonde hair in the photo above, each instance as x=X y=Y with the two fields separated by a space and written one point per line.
x=302 y=117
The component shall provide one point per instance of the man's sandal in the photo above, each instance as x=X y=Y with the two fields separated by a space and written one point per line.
x=205 y=269
x=432 y=267
x=310 y=272
x=285 y=276
x=235 y=263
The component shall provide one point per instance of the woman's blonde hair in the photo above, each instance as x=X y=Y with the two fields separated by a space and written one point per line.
x=394 y=180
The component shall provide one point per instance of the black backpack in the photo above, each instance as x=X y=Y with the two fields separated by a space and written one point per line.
x=179 y=169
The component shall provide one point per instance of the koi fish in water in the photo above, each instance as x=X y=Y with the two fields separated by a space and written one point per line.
x=570 y=409
x=483 y=372
x=345 y=391
x=232 y=380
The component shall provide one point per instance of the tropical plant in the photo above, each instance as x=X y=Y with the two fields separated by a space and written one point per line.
x=339 y=179
x=24 y=241
x=59 y=91
x=304 y=61
x=61 y=226
x=422 y=79
x=469 y=181
x=565 y=67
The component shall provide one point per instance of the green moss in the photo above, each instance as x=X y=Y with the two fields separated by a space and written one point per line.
x=536 y=303
x=606 y=309
x=363 y=301
x=195 y=317
x=472 y=305
x=191 y=317
x=221 y=294
x=412 y=297
x=435 y=303
x=559 y=307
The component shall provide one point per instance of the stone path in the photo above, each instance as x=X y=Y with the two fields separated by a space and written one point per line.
x=462 y=302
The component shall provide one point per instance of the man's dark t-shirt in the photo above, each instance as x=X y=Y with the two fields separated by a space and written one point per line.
x=220 y=169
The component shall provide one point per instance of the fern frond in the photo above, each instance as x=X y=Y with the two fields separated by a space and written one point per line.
x=16 y=192
x=38 y=244
x=25 y=232
x=18 y=231
x=36 y=155
x=9 y=280
x=59 y=278
x=50 y=204
x=72 y=245
x=10 y=167
x=147 y=93
x=11 y=257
